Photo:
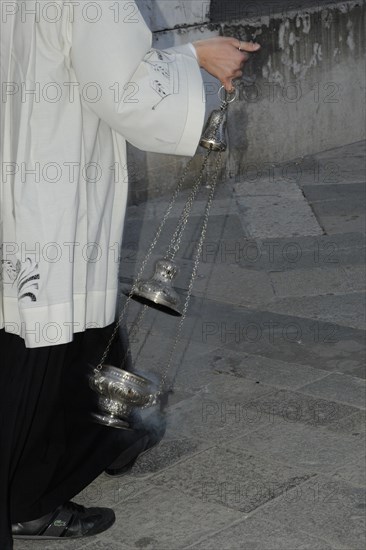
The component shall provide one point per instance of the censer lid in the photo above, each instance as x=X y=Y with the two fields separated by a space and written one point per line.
x=158 y=291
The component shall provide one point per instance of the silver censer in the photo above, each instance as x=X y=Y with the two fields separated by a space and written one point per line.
x=121 y=394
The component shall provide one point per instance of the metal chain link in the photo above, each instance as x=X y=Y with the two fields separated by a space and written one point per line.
x=178 y=233
x=133 y=331
x=174 y=246
x=177 y=236
x=193 y=275
x=144 y=262
x=175 y=239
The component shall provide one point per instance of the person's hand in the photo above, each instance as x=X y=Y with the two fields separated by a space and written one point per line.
x=221 y=57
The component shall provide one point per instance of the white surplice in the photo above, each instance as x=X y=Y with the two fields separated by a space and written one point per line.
x=78 y=80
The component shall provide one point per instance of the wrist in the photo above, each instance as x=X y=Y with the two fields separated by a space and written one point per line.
x=193 y=49
x=197 y=48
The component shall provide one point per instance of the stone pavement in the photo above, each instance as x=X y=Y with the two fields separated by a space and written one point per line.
x=265 y=442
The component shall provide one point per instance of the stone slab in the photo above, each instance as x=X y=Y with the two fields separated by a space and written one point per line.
x=139 y=233
x=342 y=207
x=354 y=472
x=234 y=479
x=269 y=254
x=320 y=174
x=103 y=545
x=290 y=254
x=303 y=340
x=340 y=309
x=332 y=510
x=359 y=372
x=233 y=285
x=333 y=223
x=110 y=492
x=253 y=534
x=320 y=243
x=354 y=425
x=48 y=545
x=222 y=408
x=274 y=372
x=218 y=412
x=277 y=216
x=293 y=253
x=312 y=448
x=289 y=337
x=167 y=519
x=310 y=282
x=167 y=453
x=155 y=207
x=339 y=387
x=343 y=165
x=331 y=171
x=349 y=151
x=290 y=407
x=195 y=367
x=275 y=209
x=267 y=187
x=356 y=275
x=341 y=193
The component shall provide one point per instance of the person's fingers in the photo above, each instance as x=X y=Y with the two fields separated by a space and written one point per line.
x=247 y=46
x=242 y=55
x=246 y=56
x=228 y=84
x=228 y=81
x=221 y=57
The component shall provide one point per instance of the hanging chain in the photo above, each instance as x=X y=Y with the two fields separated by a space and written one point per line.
x=224 y=105
x=174 y=247
x=177 y=236
x=133 y=331
x=178 y=233
x=143 y=264
x=193 y=274
x=182 y=223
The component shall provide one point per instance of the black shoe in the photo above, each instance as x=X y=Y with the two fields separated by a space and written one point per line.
x=68 y=521
x=149 y=435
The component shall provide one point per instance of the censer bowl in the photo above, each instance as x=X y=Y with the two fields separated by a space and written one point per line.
x=120 y=395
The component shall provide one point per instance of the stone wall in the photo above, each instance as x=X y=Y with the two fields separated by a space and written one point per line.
x=304 y=92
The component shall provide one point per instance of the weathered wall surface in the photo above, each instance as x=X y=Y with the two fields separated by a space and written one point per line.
x=304 y=92
x=309 y=90
x=174 y=14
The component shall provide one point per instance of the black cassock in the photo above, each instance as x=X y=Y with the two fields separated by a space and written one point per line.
x=50 y=447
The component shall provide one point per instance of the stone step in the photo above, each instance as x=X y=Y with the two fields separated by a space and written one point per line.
x=275 y=209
